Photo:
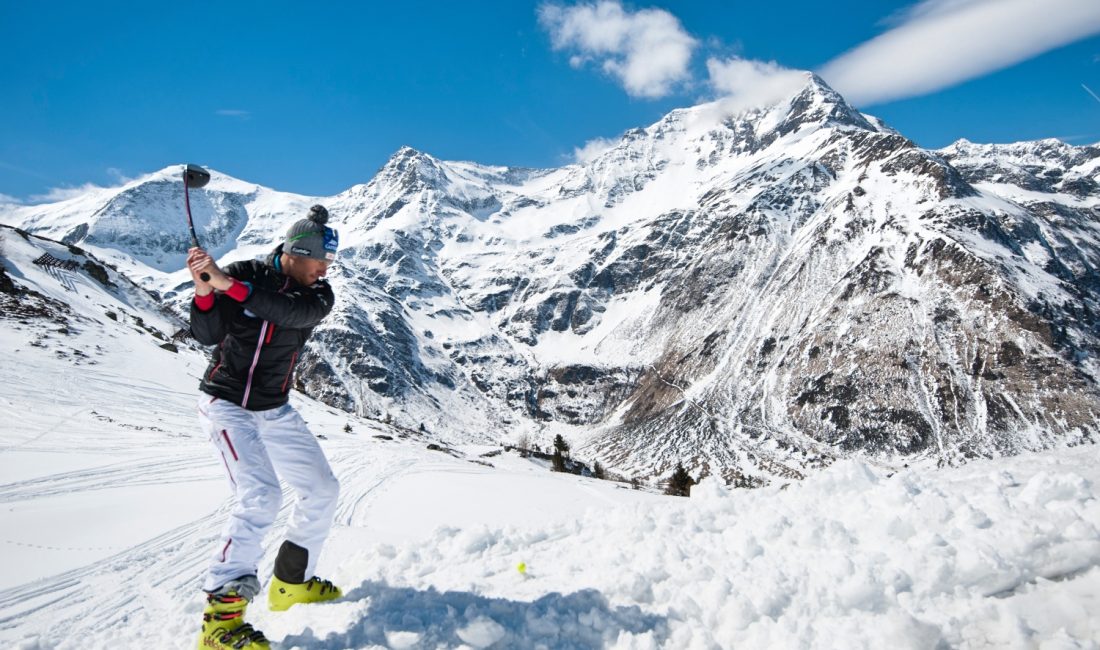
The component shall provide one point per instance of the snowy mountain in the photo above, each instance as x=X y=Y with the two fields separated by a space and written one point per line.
x=598 y=300
x=756 y=294
x=112 y=501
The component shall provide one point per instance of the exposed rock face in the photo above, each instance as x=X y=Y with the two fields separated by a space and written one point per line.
x=84 y=294
x=753 y=295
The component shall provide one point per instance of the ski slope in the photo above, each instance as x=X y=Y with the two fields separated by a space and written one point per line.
x=111 y=503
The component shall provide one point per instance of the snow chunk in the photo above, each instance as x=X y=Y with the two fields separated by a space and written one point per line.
x=401 y=640
x=482 y=632
x=1044 y=489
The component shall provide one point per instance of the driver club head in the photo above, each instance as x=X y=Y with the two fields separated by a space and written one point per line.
x=195 y=176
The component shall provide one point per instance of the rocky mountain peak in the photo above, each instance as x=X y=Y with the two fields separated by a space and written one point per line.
x=1046 y=166
x=752 y=292
x=413 y=169
x=818 y=103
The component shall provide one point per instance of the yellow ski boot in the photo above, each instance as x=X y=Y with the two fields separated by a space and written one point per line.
x=223 y=626
x=281 y=595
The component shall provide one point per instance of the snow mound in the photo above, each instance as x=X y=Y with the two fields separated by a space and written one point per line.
x=850 y=558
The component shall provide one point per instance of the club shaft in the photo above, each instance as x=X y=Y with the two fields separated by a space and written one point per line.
x=191 y=225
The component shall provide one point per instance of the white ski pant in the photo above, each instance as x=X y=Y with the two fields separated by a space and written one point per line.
x=257 y=448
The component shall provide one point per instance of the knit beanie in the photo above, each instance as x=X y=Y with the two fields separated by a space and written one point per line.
x=310 y=237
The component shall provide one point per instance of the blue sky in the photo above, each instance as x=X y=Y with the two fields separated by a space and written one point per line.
x=313 y=99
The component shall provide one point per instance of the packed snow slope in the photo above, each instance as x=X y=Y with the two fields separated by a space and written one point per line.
x=755 y=292
x=112 y=500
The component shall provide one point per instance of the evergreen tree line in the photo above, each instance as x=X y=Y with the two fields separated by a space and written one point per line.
x=678 y=485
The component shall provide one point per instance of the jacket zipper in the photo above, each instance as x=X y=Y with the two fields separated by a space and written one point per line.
x=255 y=361
x=264 y=337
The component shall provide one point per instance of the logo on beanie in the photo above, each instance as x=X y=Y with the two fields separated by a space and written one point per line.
x=332 y=241
x=298 y=250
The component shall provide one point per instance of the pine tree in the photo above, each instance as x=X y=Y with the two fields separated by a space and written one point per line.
x=558 y=462
x=561 y=450
x=347 y=428
x=680 y=483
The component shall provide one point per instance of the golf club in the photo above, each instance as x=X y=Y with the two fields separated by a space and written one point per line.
x=194 y=176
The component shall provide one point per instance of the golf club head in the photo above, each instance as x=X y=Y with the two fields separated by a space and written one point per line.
x=195 y=176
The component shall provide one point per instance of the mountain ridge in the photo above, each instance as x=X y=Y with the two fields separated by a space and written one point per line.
x=753 y=294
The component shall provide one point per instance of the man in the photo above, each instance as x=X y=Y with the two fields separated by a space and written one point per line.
x=260 y=314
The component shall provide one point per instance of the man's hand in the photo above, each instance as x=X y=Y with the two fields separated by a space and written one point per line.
x=199 y=262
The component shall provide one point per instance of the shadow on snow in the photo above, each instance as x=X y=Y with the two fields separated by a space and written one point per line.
x=583 y=619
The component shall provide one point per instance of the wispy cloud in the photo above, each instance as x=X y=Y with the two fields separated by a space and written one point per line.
x=648 y=51
x=593 y=148
x=234 y=112
x=940 y=43
x=1081 y=137
x=1089 y=91
x=57 y=194
x=742 y=83
x=26 y=172
x=119 y=176
x=739 y=84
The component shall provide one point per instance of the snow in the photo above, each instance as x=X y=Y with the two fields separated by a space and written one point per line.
x=111 y=501
x=999 y=553
x=472 y=258
x=1022 y=196
x=849 y=555
x=614 y=338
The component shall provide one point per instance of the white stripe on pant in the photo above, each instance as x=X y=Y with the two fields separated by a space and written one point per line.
x=257 y=448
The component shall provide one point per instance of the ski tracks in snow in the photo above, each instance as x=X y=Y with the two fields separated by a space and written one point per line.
x=152 y=471
x=359 y=484
x=159 y=578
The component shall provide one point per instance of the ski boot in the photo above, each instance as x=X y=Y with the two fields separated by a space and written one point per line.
x=223 y=626
x=281 y=595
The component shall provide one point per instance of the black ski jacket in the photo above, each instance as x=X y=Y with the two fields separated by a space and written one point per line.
x=260 y=337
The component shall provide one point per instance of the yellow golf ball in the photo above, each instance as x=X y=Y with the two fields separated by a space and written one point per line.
x=521 y=567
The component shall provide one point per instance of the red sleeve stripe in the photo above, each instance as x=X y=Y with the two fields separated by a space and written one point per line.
x=205 y=303
x=238 y=291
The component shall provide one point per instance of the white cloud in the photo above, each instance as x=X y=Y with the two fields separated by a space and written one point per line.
x=648 y=51
x=592 y=149
x=6 y=199
x=234 y=112
x=56 y=194
x=924 y=9
x=743 y=84
x=1089 y=91
x=120 y=177
x=941 y=43
x=1080 y=137
x=26 y=172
